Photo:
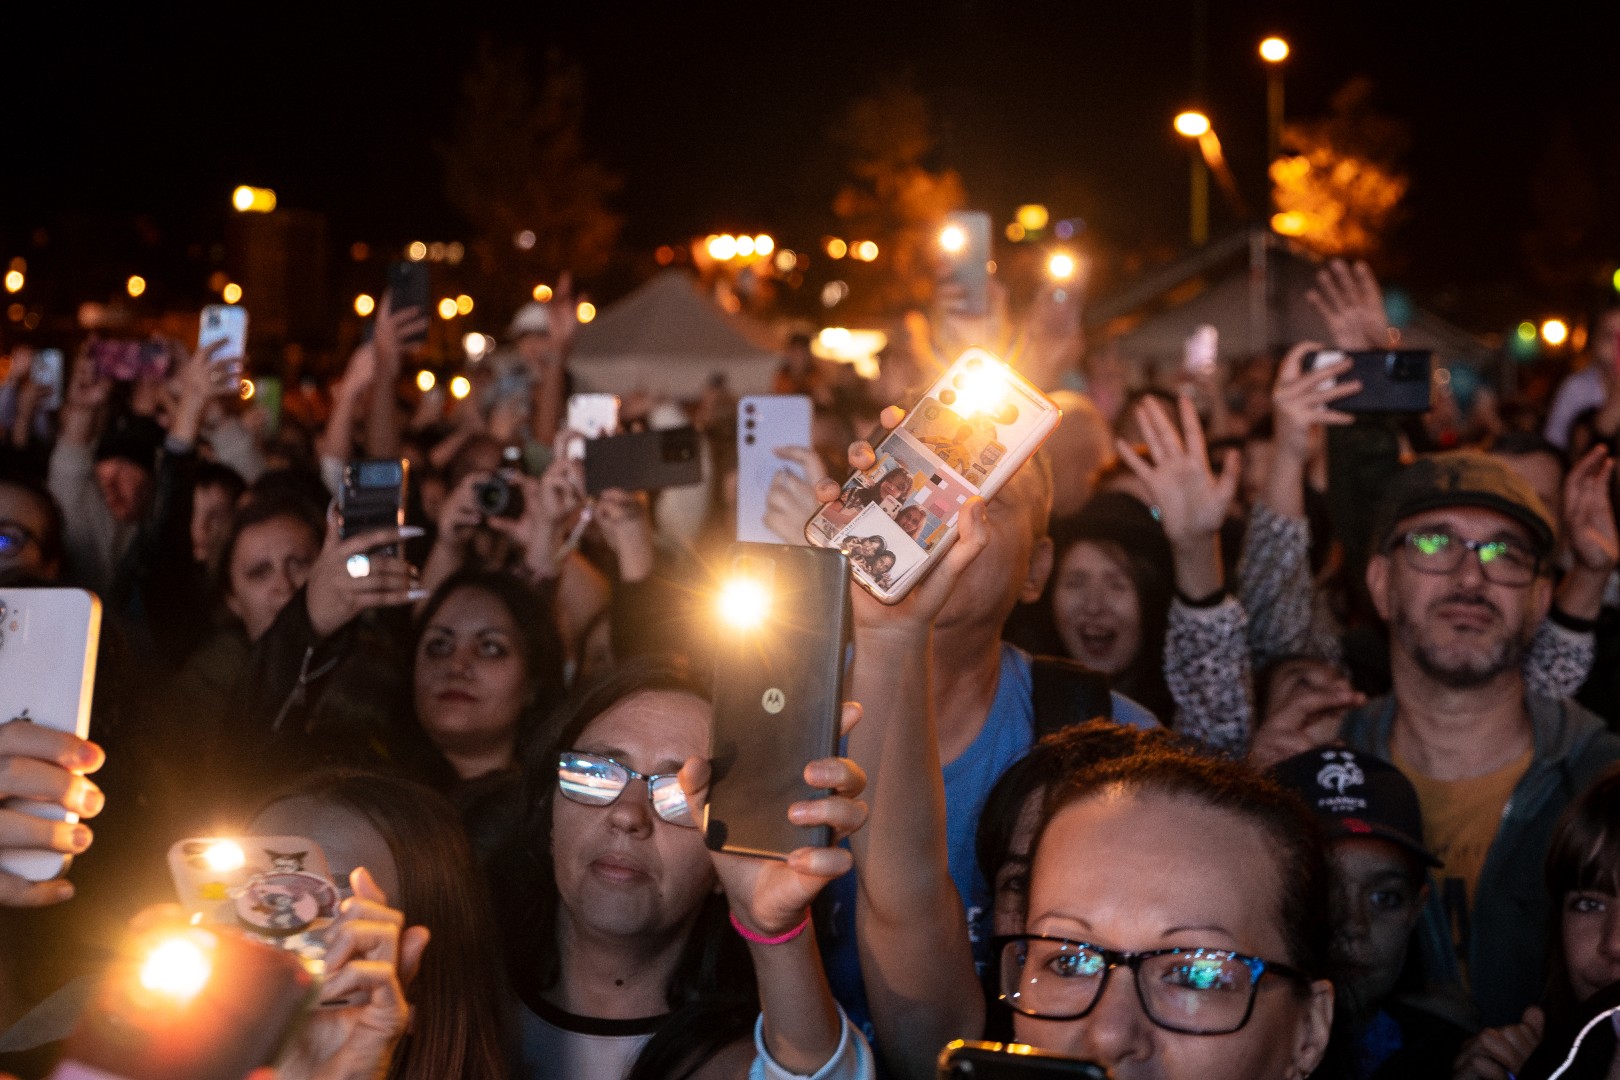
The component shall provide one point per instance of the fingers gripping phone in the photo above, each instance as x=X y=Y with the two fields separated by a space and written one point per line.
x=963 y=1060
x=48 y=641
x=227 y=324
x=971 y=431
x=372 y=496
x=408 y=287
x=765 y=424
x=1392 y=380
x=784 y=623
x=594 y=416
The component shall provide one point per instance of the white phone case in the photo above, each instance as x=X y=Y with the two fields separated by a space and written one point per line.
x=764 y=423
x=48 y=641
x=594 y=416
x=971 y=431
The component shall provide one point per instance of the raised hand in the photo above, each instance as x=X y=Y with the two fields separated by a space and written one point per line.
x=1308 y=701
x=339 y=589
x=626 y=524
x=1301 y=404
x=548 y=501
x=1351 y=303
x=791 y=500
x=40 y=764
x=1499 y=1053
x=394 y=330
x=1589 y=512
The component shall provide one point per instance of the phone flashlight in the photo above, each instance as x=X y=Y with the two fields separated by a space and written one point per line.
x=953 y=239
x=982 y=386
x=179 y=964
x=744 y=602
x=1061 y=266
x=223 y=856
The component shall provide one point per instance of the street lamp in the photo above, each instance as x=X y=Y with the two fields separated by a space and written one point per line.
x=1195 y=125
x=1274 y=50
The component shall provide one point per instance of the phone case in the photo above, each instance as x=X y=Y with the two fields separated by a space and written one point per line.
x=408 y=287
x=594 y=416
x=972 y=429
x=969 y=269
x=280 y=888
x=765 y=423
x=963 y=1060
x=1392 y=380
x=368 y=499
x=644 y=461
x=48 y=641
x=778 y=692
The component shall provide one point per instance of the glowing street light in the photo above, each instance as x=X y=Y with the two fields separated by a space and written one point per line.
x=425 y=380
x=1195 y=125
x=1062 y=266
x=447 y=308
x=865 y=251
x=542 y=293
x=723 y=248
x=764 y=244
x=1033 y=217
x=135 y=285
x=585 y=312
x=745 y=246
x=1555 y=332
x=464 y=304
x=460 y=387
x=416 y=251
x=14 y=281
x=836 y=248
x=253 y=200
x=231 y=293
x=364 y=304
x=1191 y=123
x=1274 y=50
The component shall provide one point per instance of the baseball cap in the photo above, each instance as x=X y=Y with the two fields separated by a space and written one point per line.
x=1356 y=794
x=1462 y=478
x=532 y=318
x=131 y=438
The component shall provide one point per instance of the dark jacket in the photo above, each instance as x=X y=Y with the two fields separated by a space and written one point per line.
x=1508 y=927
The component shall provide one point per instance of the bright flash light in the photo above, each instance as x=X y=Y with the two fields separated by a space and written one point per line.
x=953 y=239
x=983 y=386
x=231 y=293
x=1192 y=124
x=179 y=966
x=1274 y=50
x=745 y=246
x=135 y=285
x=464 y=304
x=722 y=248
x=364 y=305
x=744 y=602
x=1061 y=266
x=586 y=311
x=764 y=244
x=425 y=380
x=14 y=281
x=460 y=387
x=447 y=308
x=253 y=200
x=1555 y=331
x=223 y=856
x=866 y=251
x=476 y=346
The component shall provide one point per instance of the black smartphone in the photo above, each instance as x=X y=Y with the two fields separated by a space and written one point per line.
x=963 y=1060
x=191 y=1003
x=783 y=626
x=1392 y=380
x=408 y=288
x=644 y=461
x=372 y=496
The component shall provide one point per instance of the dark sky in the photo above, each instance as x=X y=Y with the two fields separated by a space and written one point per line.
x=717 y=114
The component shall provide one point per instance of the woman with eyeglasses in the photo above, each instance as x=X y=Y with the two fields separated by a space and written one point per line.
x=1177 y=924
x=634 y=950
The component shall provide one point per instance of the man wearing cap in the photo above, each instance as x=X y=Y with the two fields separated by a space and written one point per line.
x=1460 y=573
x=1370 y=814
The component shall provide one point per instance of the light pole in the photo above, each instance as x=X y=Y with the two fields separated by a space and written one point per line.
x=1195 y=125
x=1274 y=50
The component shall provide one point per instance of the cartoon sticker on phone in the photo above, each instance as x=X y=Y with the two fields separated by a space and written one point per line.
x=274 y=887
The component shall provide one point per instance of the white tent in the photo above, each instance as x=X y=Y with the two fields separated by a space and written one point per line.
x=669 y=340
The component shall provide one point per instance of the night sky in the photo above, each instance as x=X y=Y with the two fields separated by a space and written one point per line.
x=717 y=114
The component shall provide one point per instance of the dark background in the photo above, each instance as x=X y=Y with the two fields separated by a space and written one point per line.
x=129 y=128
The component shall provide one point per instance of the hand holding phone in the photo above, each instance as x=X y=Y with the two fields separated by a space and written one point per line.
x=767 y=424
x=1392 y=380
x=964 y=1060
x=357 y=574
x=224 y=326
x=51 y=766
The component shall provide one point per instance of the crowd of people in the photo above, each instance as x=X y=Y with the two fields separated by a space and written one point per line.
x=1237 y=736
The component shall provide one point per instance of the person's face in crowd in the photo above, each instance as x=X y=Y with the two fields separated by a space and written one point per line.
x=1545 y=475
x=471 y=679
x=1011 y=887
x=23 y=521
x=1378 y=897
x=1460 y=629
x=126 y=488
x=1013 y=567
x=347 y=838
x=210 y=521
x=1606 y=345
x=621 y=870
x=1096 y=608
x=268 y=565
x=1591 y=939
x=1137 y=871
x=534 y=348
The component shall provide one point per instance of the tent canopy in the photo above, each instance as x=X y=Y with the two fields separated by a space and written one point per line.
x=668 y=339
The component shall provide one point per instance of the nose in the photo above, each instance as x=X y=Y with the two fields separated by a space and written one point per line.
x=1117 y=1029
x=632 y=811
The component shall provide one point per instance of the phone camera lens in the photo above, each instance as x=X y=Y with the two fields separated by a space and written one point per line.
x=748 y=440
x=749 y=408
x=947 y=397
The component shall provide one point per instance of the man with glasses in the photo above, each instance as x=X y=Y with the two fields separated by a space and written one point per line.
x=1461 y=575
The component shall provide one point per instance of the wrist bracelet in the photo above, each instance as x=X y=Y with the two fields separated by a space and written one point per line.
x=761 y=939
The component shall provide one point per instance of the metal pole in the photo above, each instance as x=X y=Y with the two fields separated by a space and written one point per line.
x=1274 y=112
x=1199 y=226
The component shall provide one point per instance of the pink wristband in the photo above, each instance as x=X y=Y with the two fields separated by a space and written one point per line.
x=761 y=939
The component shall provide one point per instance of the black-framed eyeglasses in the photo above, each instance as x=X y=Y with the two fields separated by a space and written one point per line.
x=1436 y=551
x=595 y=780
x=1186 y=990
x=14 y=538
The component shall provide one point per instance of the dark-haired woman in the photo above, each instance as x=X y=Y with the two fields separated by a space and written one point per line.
x=637 y=952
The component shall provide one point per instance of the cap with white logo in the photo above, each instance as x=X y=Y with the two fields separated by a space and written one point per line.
x=1355 y=794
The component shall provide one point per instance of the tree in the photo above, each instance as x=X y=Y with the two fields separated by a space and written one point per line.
x=1340 y=191
x=516 y=168
x=892 y=197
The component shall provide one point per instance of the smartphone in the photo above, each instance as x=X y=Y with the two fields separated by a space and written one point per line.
x=963 y=1060
x=128 y=361
x=971 y=431
x=965 y=262
x=276 y=888
x=372 y=496
x=784 y=624
x=408 y=287
x=1392 y=380
x=644 y=461
x=593 y=416
x=764 y=424
x=189 y=1003
x=1199 y=353
x=48 y=642
x=268 y=394
x=225 y=323
x=48 y=370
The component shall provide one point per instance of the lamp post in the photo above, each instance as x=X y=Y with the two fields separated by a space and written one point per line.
x=1274 y=50
x=1195 y=125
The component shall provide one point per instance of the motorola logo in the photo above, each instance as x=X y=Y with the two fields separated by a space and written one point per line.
x=773 y=701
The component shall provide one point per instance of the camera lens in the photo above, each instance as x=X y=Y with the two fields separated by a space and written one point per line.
x=748 y=440
x=947 y=397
